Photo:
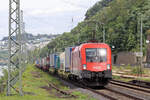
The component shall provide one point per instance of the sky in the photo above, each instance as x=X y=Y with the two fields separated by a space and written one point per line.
x=47 y=16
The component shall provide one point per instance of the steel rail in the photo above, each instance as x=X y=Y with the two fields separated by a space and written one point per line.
x=126 y=95
x=134 y=84
x=127 y=85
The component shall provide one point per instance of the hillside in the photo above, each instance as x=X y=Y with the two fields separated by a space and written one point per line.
x=121 y=20
x=30 y=36
x=35 y=87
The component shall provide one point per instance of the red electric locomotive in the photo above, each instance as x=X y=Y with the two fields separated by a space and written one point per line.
x=91 y=63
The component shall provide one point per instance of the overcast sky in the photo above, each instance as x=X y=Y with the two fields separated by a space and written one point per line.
x=47 y=16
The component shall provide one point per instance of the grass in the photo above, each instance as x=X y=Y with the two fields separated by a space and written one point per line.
x=121 y=79
x=34 y=79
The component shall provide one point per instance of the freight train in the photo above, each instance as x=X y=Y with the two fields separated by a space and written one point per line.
x=89 y=63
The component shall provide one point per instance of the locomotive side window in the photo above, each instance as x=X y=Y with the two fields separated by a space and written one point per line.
x=96 y=55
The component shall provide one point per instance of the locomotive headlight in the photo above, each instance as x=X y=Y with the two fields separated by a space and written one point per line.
x=108 y=66
x=84 y=67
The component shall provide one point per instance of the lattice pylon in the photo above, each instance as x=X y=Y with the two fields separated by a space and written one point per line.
x=14 y=46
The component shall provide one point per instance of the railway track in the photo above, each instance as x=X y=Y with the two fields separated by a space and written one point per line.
x=138 y=92
x=102 y=94
x=61 y=91
x=142 y=88
x=78 y=84
x=109 y=93
x=141 y=83
x=112 y=94
x=117 y=95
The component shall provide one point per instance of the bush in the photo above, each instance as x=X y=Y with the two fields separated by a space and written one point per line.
x=137 y=70
x=3 y=81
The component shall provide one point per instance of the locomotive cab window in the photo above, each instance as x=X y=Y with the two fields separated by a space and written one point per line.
x=96 y=55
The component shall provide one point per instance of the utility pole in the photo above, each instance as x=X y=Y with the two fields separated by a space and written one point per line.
x=141 y=48
x=23 y=38
x=14 y=47
x=72 y=22
x=97 y=25
x=103 y=34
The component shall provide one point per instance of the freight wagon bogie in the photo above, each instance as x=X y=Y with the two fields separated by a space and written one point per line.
x=96 y=78
x=95 y=82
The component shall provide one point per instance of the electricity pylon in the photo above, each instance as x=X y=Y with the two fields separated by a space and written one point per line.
x=14 y=46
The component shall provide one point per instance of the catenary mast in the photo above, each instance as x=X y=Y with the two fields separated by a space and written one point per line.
x=14 y=47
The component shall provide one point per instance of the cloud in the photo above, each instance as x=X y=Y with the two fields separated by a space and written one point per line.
x=3 y=33
x=57 y=23
x=4 y=5
x=80 y=3
x=47 y=16
x=54 y=11
x=49 y=7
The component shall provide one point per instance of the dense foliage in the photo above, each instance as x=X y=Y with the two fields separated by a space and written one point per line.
x=120 y=19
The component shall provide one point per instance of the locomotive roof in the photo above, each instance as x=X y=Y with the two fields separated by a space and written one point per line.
x=89 y=44
x=94 y=44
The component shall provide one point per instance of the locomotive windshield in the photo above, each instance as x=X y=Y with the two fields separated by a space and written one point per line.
x=96 y=55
